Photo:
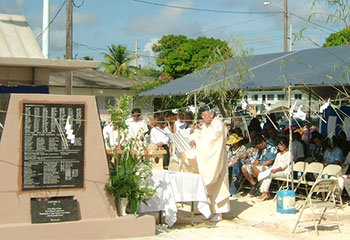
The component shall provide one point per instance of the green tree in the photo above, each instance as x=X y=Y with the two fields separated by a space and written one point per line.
x=179 y=55
x=117 y=62
x=340 y=38
x=88 y=58
x=338 y=11
x=226 y=78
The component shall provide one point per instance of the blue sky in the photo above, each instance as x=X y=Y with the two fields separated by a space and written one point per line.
x=99 y=23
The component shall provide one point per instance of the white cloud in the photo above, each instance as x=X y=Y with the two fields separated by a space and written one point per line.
x=58 y=26
x=148 y=46
x=165 y=21
x=84 y=19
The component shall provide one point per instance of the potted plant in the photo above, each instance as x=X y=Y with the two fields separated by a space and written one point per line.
x=130 y=173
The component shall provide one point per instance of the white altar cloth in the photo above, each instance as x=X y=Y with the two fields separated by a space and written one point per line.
x=174 y=187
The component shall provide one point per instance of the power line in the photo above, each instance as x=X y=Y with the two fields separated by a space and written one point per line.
x=80 y=5
x=234 y=24
x=105 y=49
x=59 y=10
x=203 y=9
x=313 y=23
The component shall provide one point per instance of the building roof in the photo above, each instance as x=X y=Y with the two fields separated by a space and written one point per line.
x=88 y=78
x=304 y=68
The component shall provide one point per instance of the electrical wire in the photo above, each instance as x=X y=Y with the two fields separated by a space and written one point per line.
x=53 y=19
x=203 y=9
x=80 y=5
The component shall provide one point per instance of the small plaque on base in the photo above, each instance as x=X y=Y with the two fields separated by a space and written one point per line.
x=57 y=209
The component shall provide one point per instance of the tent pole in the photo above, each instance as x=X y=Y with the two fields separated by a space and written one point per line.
x=290 y=133
x=308 y=127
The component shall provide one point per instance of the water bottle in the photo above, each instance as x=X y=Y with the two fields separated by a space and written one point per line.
x=299 y=174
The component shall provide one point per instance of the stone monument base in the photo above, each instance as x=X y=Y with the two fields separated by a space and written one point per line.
x=121 y=227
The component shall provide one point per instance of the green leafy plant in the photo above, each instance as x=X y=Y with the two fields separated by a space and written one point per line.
x=130 y=174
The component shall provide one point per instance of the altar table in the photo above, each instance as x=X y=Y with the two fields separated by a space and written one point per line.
x=176 y=187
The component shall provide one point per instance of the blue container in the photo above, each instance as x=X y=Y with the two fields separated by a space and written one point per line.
x=286 y=201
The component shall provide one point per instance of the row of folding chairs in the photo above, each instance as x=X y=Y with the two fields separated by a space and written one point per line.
x=305 y=174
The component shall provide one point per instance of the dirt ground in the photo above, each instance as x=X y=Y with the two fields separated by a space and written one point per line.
x=251 y=218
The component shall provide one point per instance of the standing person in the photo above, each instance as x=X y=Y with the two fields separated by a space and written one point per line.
x=211 y=154
x=279 y=168
x=137 y=129
x=137 y=126
x=179 y=123
x=159 y=137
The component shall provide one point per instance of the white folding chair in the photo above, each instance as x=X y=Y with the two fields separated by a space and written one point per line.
x=299 y=168
x=344 y=169
x=314 y=168
x=333 y=171
x=325 y=186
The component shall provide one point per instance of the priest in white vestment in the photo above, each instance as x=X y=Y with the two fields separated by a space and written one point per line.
x=210 y=144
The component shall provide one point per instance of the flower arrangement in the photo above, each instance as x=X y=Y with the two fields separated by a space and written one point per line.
x=130 y=174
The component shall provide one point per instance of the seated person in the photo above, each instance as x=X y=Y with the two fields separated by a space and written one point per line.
x=273 y=136
x=343 y=144
x=333 y=154
x=236 y=149
x=318 y=151
x=159 y=137
x=344 y=180
x=297 y=148
x=278 y=169
x=266 y=156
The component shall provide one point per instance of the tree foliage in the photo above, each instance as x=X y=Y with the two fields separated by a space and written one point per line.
x=179 y=55
x=117 y=62
x=226 y=78
x=338 y=11
x=340 y=38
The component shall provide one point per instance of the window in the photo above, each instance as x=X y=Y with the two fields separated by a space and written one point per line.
x=270 y=97
x=255 y=97
x=104 y=102
x=264 y=98
x=280 y=96
x=297 y=96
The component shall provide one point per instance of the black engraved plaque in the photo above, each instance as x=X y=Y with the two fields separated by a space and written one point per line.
x=53 y=146
x=54 y=210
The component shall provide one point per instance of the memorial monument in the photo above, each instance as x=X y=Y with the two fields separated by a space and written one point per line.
x=53 y=170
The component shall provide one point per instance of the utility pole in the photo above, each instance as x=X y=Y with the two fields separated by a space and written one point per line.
x=136 y=53
x=285 y=28
x=46 y=30
x=69 y=42
x=290 y=37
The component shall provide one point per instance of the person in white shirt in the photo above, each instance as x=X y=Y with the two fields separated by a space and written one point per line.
x=110 y=136
x=280 y=168
x=137 y=126
x=179 y=123
x=210 y=144
x=160 y=138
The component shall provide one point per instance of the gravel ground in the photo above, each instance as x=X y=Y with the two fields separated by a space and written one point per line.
x=250 y=218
